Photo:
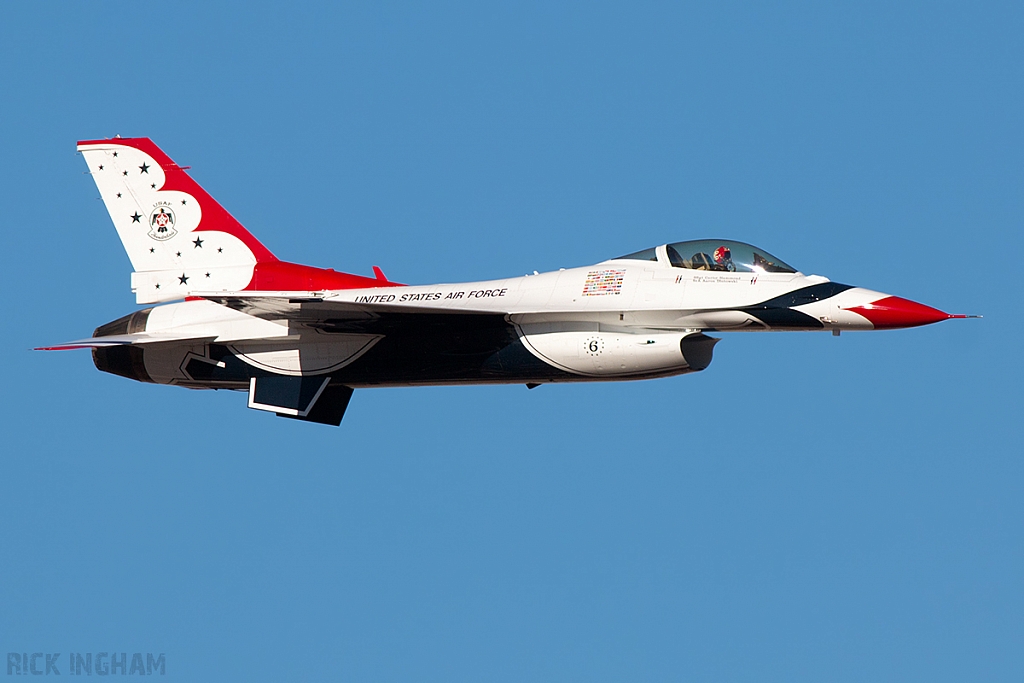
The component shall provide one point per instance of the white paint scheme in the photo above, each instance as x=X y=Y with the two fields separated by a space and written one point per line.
x=656 y=303
x=665 y=299
x=163 y=261
x=637 y=330
x=651 y=293
x=625 y=318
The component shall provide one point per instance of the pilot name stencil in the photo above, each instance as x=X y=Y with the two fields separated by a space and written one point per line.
x=719 y=279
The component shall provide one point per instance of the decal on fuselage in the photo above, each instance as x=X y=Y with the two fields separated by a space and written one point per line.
x=603 y=282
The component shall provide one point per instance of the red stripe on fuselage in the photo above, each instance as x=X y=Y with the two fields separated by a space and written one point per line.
x=284 y=276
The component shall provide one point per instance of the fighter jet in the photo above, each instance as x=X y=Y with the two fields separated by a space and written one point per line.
x=225 y=313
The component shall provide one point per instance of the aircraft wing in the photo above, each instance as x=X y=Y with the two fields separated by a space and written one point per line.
x=302 y=309
x=339 y=316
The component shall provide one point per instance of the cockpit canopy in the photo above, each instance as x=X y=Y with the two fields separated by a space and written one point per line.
x=721 y=255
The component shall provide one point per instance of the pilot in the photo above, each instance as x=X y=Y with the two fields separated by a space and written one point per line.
x=723 y=259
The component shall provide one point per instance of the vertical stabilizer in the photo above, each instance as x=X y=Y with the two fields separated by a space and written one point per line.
x=178 y=238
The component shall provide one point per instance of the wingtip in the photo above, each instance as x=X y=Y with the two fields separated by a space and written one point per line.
x=62 y=347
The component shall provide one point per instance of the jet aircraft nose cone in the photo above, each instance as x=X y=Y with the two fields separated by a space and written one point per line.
x=893 y=312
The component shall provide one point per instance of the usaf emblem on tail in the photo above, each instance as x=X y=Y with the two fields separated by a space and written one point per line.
x=161 y=222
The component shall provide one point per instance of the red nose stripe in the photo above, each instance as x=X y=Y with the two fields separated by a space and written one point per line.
x=892 y=312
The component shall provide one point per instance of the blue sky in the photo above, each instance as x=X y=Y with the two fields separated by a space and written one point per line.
x=807 y=509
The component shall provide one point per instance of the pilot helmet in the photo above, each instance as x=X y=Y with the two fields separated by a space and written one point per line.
x=723 y=254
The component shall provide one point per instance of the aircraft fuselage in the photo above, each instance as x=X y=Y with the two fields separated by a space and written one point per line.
x=228 y=314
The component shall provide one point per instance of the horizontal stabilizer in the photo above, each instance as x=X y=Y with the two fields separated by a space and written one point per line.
x=122 y=340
